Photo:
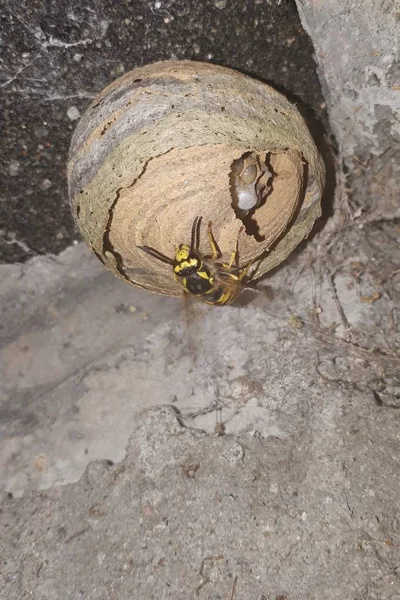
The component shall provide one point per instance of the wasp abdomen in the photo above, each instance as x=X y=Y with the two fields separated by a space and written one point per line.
x=197 y=284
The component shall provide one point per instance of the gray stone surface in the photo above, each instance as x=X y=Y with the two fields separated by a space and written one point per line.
x=185 y=515
x=57 y=55
x=357 y=49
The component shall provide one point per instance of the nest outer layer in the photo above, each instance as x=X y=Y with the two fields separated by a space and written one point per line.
x=155 y=149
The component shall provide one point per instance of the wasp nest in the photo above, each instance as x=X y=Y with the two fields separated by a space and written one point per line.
x=175 y=140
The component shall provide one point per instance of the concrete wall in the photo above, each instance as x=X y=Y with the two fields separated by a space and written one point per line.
x=357 y=53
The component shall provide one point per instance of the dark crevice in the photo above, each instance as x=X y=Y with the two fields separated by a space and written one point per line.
x=294 y=215
x=99 y=257
x=99 y=101
x=106 y=126
x=107 y=244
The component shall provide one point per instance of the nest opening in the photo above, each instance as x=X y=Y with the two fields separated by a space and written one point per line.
x=261 y=183
x=251 y=182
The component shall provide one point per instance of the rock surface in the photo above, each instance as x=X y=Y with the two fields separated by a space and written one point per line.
x=357 y=50
x=189 y=515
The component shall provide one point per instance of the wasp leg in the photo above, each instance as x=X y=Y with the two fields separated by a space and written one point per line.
x=235 y=253
x=215 y=252
x=243 y=272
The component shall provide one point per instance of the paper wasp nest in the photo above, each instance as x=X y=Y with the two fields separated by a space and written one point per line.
x=175 y=140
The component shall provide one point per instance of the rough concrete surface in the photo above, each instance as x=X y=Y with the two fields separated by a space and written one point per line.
x=357 y=49
x=187 y=515
x=299 y=496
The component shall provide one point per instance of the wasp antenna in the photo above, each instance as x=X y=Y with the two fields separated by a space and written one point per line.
x=156 y=254
x=195 y=240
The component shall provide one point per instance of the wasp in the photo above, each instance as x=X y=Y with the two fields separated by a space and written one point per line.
x=216 y=283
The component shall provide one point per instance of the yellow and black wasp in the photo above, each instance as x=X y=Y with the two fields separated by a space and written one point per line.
x=216 y=283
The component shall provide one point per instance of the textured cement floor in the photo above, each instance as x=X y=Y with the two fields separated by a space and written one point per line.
x=263 y=459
